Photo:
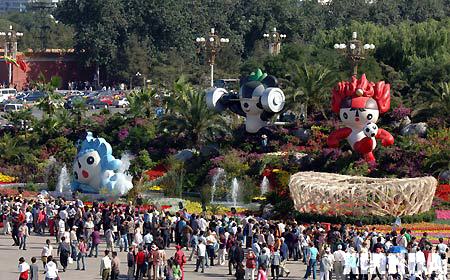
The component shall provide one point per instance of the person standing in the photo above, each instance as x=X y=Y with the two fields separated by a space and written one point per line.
x=311 y=259
x=73 y=242
x=275 y=262
x=34 y=270
x=24 y=269
x=51 y=269
x=140 y=260
x=82 y=251
x=339 y=261
x=201 y=253
x=64 y=251
x=105 y=266
x=180 y=258
x=23 y=234
x=115 y=266
x=109 y=237
x=131 y=263
x=159 y=262
x=95 y=241
x=250 y=265
x=326 y=265
x=262 y=275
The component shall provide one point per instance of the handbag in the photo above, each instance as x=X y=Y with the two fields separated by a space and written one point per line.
x=70 y=260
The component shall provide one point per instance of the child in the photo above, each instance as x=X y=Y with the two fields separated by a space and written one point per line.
x=34 y=269
x=262 y=272
x=169 y=271
x=176 y=270
x=24 y=269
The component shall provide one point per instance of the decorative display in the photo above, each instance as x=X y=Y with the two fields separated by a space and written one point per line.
x=258 y=100
x=95 y=168
x=335 y=194
x=359 y=104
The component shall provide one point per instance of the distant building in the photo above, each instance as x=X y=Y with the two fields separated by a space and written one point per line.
x=23 y=5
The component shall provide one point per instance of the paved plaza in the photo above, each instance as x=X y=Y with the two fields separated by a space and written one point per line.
x=9 y=256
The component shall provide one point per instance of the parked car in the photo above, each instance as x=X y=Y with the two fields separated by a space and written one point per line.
x=7 y=93
x=34 y=96
x=95 y=103
x=121 y=103
x=13 y=107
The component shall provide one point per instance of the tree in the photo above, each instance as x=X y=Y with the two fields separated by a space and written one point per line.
x=141 y=103
x=313 y=84
x=190 y=116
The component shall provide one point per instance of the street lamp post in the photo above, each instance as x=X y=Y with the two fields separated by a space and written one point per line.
x=274 y=37
x=355 y=51
x=212 y=45
x=10 y=41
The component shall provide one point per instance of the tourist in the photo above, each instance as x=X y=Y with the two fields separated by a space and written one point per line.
x=211 y=241
x=47 y=251
x=240 y=272
x=193 y=243
x=82 y=251
x=339 y=261
x=34 y=269
x=263 y=259
x=23 y=234
x=326 y=264
x=24 y=269
x=250 y=265
x=201 y=254
x=180 y=259
x=311 y=260
x=131 y=263
x=51 y=269
x=115 y=266
x=105 y=266
x=95 y=241
x=262 y=275
x=159 y=263
x=64 y=252
x=74 y=242
x=284 y=258
x=176 y=270
x=140 y=260
x=123 y=230
x=275 y=261
x=109 y=238
x=148 y=240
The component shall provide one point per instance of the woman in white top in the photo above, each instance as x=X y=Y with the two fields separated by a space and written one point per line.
x=51 y=269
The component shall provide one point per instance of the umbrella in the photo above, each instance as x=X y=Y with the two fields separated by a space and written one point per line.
x=397 y=249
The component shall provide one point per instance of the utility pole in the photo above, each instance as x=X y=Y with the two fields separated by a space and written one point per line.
x=354 y=51
x=10 y=41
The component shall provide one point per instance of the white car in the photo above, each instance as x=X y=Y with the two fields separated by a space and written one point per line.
x=122 y=103
x=7 y=93
x=13 y=107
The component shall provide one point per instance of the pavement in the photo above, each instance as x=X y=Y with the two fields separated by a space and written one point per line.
x=9 y=256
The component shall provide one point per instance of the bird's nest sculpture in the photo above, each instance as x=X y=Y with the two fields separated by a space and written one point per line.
x=335 y=194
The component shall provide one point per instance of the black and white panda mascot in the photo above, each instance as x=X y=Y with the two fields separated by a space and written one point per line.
x=258 y=100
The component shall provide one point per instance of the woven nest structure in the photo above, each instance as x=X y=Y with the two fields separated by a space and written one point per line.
x=335 y=194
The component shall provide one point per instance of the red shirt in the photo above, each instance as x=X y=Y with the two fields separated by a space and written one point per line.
x=140 y=257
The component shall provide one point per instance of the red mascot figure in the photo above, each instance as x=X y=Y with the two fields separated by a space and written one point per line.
x=359 y=104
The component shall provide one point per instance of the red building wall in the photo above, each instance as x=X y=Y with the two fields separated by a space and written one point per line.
x=49 y=64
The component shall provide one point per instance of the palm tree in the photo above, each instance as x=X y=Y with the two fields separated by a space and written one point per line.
x=10 y=149
x=78 y=110
x=190 y=115
x=141 y=103
x=21 y=119
x=437 y=103
x=51 y=103
x=311 y=87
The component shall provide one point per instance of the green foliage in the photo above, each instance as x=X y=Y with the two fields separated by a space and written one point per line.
x=141 y=163
x=428 y=216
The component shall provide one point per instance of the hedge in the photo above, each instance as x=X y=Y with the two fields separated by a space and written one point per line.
x=428 y=216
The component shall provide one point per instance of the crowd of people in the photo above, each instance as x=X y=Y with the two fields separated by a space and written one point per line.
x=251 y=247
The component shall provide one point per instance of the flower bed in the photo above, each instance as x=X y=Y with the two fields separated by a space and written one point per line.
x=434 y=231
x=5 y=179
x=13 y=192
x=443 y=192
x=443 y=214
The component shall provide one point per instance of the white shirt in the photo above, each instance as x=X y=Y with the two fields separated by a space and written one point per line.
x=105 y=264
x=202 y=224
x=442 y=248
x=201 y=250
x=29 y=217
x=51 y=270
x=24 y=267
x=61 y=226
x=148 y=238
x=47 y=251
x=63 y=215
x=339 y=256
